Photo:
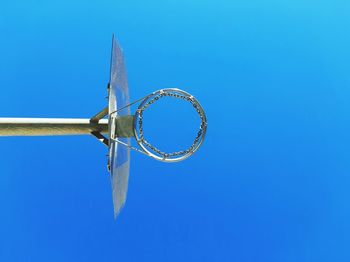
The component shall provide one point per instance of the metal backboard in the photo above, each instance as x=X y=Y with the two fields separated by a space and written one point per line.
x=119 y=155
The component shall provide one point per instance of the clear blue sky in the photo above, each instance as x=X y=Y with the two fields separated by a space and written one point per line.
x=271 y=182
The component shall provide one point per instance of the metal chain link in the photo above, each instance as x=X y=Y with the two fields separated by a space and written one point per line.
x=162 y=94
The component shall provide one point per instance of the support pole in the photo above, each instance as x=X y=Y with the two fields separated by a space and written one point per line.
x=50 y=126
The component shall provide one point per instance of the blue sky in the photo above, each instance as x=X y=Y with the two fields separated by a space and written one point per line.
x=270 y=183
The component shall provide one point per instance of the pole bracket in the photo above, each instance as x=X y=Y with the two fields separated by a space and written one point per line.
x=95 y=119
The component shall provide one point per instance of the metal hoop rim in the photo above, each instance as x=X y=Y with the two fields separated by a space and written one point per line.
x=195 y=146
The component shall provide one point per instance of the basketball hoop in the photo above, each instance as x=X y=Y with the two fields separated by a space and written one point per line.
x=138 y=132
x=114 y=126
x=154 y=151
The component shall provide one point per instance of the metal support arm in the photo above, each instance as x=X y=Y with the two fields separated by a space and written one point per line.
x=50 y=126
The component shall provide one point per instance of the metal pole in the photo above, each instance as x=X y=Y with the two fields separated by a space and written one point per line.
x=50 y=126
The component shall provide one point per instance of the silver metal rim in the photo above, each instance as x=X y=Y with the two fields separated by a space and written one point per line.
x=151 y=150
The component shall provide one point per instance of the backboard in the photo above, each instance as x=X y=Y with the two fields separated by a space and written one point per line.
x=119 y=155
